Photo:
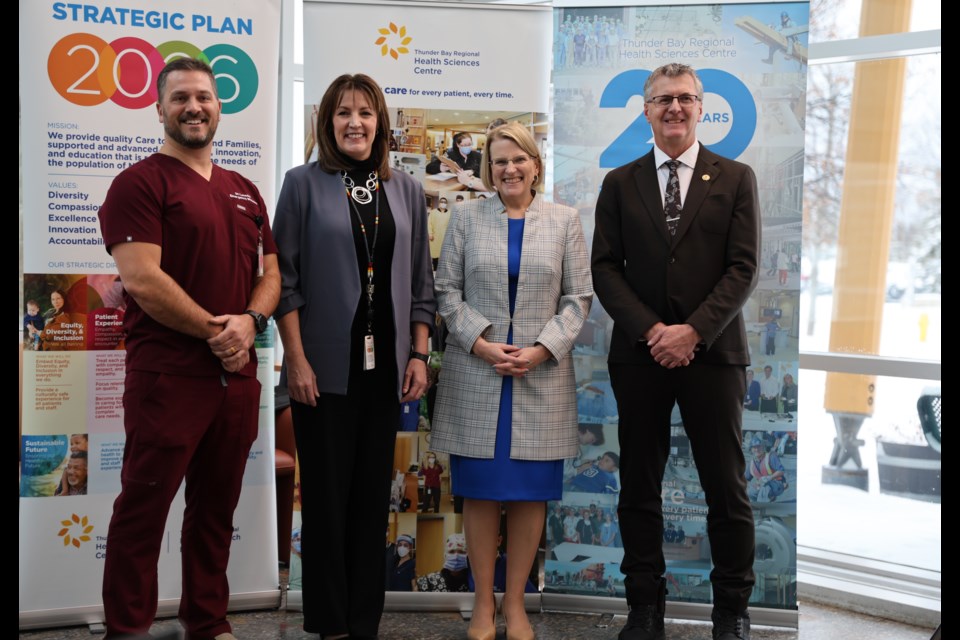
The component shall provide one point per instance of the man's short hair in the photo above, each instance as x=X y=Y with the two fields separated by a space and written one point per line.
x=672 y=70
x=184 y=64
x=613 y=456
x=595 y=429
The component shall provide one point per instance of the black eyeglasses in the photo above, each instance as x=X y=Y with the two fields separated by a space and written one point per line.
x=685 y=100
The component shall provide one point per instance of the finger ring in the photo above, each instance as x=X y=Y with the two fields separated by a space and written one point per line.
x=233 y=350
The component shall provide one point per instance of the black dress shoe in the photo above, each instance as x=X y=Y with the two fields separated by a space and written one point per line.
x=645 y=622
x=730 y=626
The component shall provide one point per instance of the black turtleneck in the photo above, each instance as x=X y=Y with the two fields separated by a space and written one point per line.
x=383 y=329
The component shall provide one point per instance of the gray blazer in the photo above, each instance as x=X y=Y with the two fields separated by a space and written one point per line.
x=553 y=299
x=318 y=268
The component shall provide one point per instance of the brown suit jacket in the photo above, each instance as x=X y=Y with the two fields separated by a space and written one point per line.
x=702 y=276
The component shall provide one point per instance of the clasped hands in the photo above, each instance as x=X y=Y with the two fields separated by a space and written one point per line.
x=509 y=359
x=232 y=342
x=672 y=345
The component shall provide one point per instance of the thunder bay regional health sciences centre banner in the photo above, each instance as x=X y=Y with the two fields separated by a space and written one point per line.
x=87 y=92
x=752 y=61
x=445 y=69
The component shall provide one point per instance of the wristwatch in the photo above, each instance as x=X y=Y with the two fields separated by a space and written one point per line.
x=423 y=357
x=259 y=320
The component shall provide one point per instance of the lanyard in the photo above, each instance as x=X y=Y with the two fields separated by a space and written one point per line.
x=362 y=195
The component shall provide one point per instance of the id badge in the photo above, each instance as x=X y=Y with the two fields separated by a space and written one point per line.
x=260 y=257
x=369 y=359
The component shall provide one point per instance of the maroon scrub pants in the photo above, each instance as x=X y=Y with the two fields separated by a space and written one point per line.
x=201 y=429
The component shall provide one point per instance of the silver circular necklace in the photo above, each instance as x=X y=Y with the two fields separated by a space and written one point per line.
x=360 y=195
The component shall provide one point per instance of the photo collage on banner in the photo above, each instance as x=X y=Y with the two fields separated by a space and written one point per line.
x=752 y=60
x=444 y=88
x=90 y=73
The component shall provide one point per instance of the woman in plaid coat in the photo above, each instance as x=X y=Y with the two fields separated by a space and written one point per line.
x=514 y=288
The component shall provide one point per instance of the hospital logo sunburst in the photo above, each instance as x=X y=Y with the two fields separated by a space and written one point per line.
x=75 y=531
x=393 y=40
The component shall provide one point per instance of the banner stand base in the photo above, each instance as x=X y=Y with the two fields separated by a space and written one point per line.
x=561 y=602
x=421 y=601
x=693 y=611
x=93 y=616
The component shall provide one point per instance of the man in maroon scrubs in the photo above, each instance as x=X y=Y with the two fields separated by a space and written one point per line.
x=198 y=263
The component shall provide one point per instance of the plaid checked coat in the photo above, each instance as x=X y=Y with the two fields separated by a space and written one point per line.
x=553 y=299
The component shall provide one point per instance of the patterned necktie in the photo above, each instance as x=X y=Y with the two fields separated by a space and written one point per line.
x=671 y=199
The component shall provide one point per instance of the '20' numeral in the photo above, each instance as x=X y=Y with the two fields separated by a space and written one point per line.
x=634 y=141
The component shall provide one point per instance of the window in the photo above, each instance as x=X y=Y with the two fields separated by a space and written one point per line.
x=871 y=286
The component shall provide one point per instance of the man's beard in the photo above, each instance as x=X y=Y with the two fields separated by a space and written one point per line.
x=176 y=134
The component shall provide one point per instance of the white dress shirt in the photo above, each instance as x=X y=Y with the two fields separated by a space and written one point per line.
x=688 y=160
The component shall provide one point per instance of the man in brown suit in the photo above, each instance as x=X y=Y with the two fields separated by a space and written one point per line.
x=674 y=261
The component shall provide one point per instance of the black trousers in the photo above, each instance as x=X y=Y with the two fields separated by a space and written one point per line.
x=345 y=447
x=711 y=404
x=768 y=405
x=431 y=499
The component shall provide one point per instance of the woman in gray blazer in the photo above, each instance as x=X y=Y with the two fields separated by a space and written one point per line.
x=514 y=288
x=355 y=312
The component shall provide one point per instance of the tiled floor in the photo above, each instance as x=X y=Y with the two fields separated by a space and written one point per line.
x=816 y=623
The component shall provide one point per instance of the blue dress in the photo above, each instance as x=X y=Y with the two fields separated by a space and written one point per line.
x=500 y=477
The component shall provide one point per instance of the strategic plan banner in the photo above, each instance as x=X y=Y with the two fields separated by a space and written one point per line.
x=88 y=92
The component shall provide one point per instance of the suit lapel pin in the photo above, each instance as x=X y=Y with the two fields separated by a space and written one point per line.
x=705 y=177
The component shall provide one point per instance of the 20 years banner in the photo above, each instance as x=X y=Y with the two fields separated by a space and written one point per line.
x=752 y=61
